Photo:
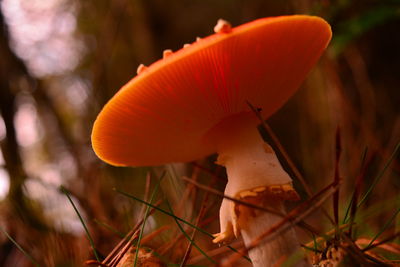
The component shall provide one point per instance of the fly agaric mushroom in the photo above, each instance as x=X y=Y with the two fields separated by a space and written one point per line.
x=194 y=102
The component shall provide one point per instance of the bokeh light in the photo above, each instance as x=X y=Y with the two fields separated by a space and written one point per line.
x=43 y=34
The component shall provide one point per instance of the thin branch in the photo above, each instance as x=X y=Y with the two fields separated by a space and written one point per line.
x=286 y=156
x=281 y=149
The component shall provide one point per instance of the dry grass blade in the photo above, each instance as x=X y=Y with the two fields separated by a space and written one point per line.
x=187 y=196
x=190 y=245
x=94 y=262
x=114 y=262
x=173 y=216
x=119 y=260
x=127 y=237
x=395 y=248
x=364 y=164
x=326 y=236
x=356 y=194
x=146 y=216
x=199 y=217
x=387 y=224
x=191 y=241
x=336 y=179
x=165 y=212
x=169 y=245
x=157 y=232
x=354 y=250
x=379 y=262
x=146 y=193
x=380 y=175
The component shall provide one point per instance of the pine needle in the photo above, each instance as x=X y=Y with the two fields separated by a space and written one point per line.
x=89 y=237
x=34 y=262
x=387 y=224
x=153 y=194
x=191 y=240
x=377 y=179
x=110 y=228
x=173 y=216
x=361 y=175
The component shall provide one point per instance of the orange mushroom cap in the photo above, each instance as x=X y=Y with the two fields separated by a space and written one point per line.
x=166 y=113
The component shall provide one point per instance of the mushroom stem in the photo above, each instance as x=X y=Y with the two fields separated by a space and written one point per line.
x=272 y=252
x=256 y=176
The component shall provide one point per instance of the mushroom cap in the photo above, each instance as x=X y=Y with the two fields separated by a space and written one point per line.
x=168 y=112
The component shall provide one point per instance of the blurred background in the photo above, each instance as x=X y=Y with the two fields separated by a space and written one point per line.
x=60 y=62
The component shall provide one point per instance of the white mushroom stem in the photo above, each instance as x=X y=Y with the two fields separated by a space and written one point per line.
x=254 y=175
x=271 y=252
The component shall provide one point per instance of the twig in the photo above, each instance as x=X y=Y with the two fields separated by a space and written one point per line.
x=286 y=156
x=281 y=149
